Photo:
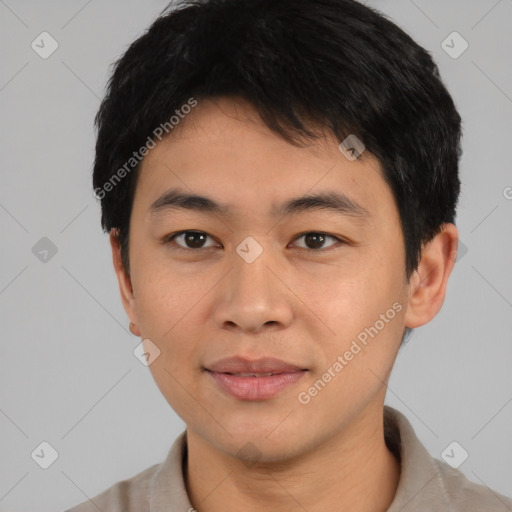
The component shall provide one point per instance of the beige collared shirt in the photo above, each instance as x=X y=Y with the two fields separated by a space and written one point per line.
x=426 y=484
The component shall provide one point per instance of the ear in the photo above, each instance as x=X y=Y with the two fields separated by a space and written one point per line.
x=427 y=287
x=125 y=283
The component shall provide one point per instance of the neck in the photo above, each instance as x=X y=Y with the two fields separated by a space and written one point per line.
x=353 y=470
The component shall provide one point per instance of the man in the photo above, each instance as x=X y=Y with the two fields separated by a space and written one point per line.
x=279 y=181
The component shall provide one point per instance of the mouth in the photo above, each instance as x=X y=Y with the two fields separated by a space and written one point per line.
x=254 y=379
x=244 y=367
x=269 y=374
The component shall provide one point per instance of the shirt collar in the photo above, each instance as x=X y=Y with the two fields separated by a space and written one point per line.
x=421 y=485
x=420 y=481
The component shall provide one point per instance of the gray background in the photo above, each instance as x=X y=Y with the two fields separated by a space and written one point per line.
x=67 y=372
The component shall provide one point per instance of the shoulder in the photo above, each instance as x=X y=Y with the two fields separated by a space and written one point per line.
x=161 y=486
x=130 y=495
x=428 y=483
x=468 y=496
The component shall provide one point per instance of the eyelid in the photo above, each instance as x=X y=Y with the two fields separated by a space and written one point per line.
x=327 y=235
x=171 y=238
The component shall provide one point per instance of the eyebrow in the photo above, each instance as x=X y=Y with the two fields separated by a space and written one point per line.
x=337 y=202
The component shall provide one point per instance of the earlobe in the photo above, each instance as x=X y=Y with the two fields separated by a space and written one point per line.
x=124 y=280
x=427 y=288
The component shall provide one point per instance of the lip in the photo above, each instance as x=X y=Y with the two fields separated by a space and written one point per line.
x=231 y=375
x=239 y=364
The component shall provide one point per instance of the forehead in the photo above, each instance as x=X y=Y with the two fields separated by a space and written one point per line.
x=223 y=151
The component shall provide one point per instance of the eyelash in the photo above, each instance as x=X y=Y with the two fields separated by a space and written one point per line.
x=170 y=238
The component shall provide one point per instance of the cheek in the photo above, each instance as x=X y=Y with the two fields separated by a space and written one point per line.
x=176 y=370
x=172 y=383
x=165 y=297
x=364 y=313
x=346 y=302
x=166 y=316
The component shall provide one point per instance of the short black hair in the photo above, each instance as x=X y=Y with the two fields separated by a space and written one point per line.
x=304 y=64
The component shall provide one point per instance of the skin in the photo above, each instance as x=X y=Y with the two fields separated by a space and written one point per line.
x=300 y=304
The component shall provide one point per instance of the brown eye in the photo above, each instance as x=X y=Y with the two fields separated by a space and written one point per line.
x=190 y=239
x=314 y=240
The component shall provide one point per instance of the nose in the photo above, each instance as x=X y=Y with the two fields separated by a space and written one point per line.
x=254 y=297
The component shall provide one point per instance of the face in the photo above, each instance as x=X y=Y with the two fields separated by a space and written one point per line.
x=265 y=275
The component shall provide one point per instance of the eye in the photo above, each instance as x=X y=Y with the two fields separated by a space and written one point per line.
x=191 y=239
x=316 y=239
x=195 y=240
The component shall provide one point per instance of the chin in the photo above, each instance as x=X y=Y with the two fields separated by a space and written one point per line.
x=252 y=451
x=261 y=440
